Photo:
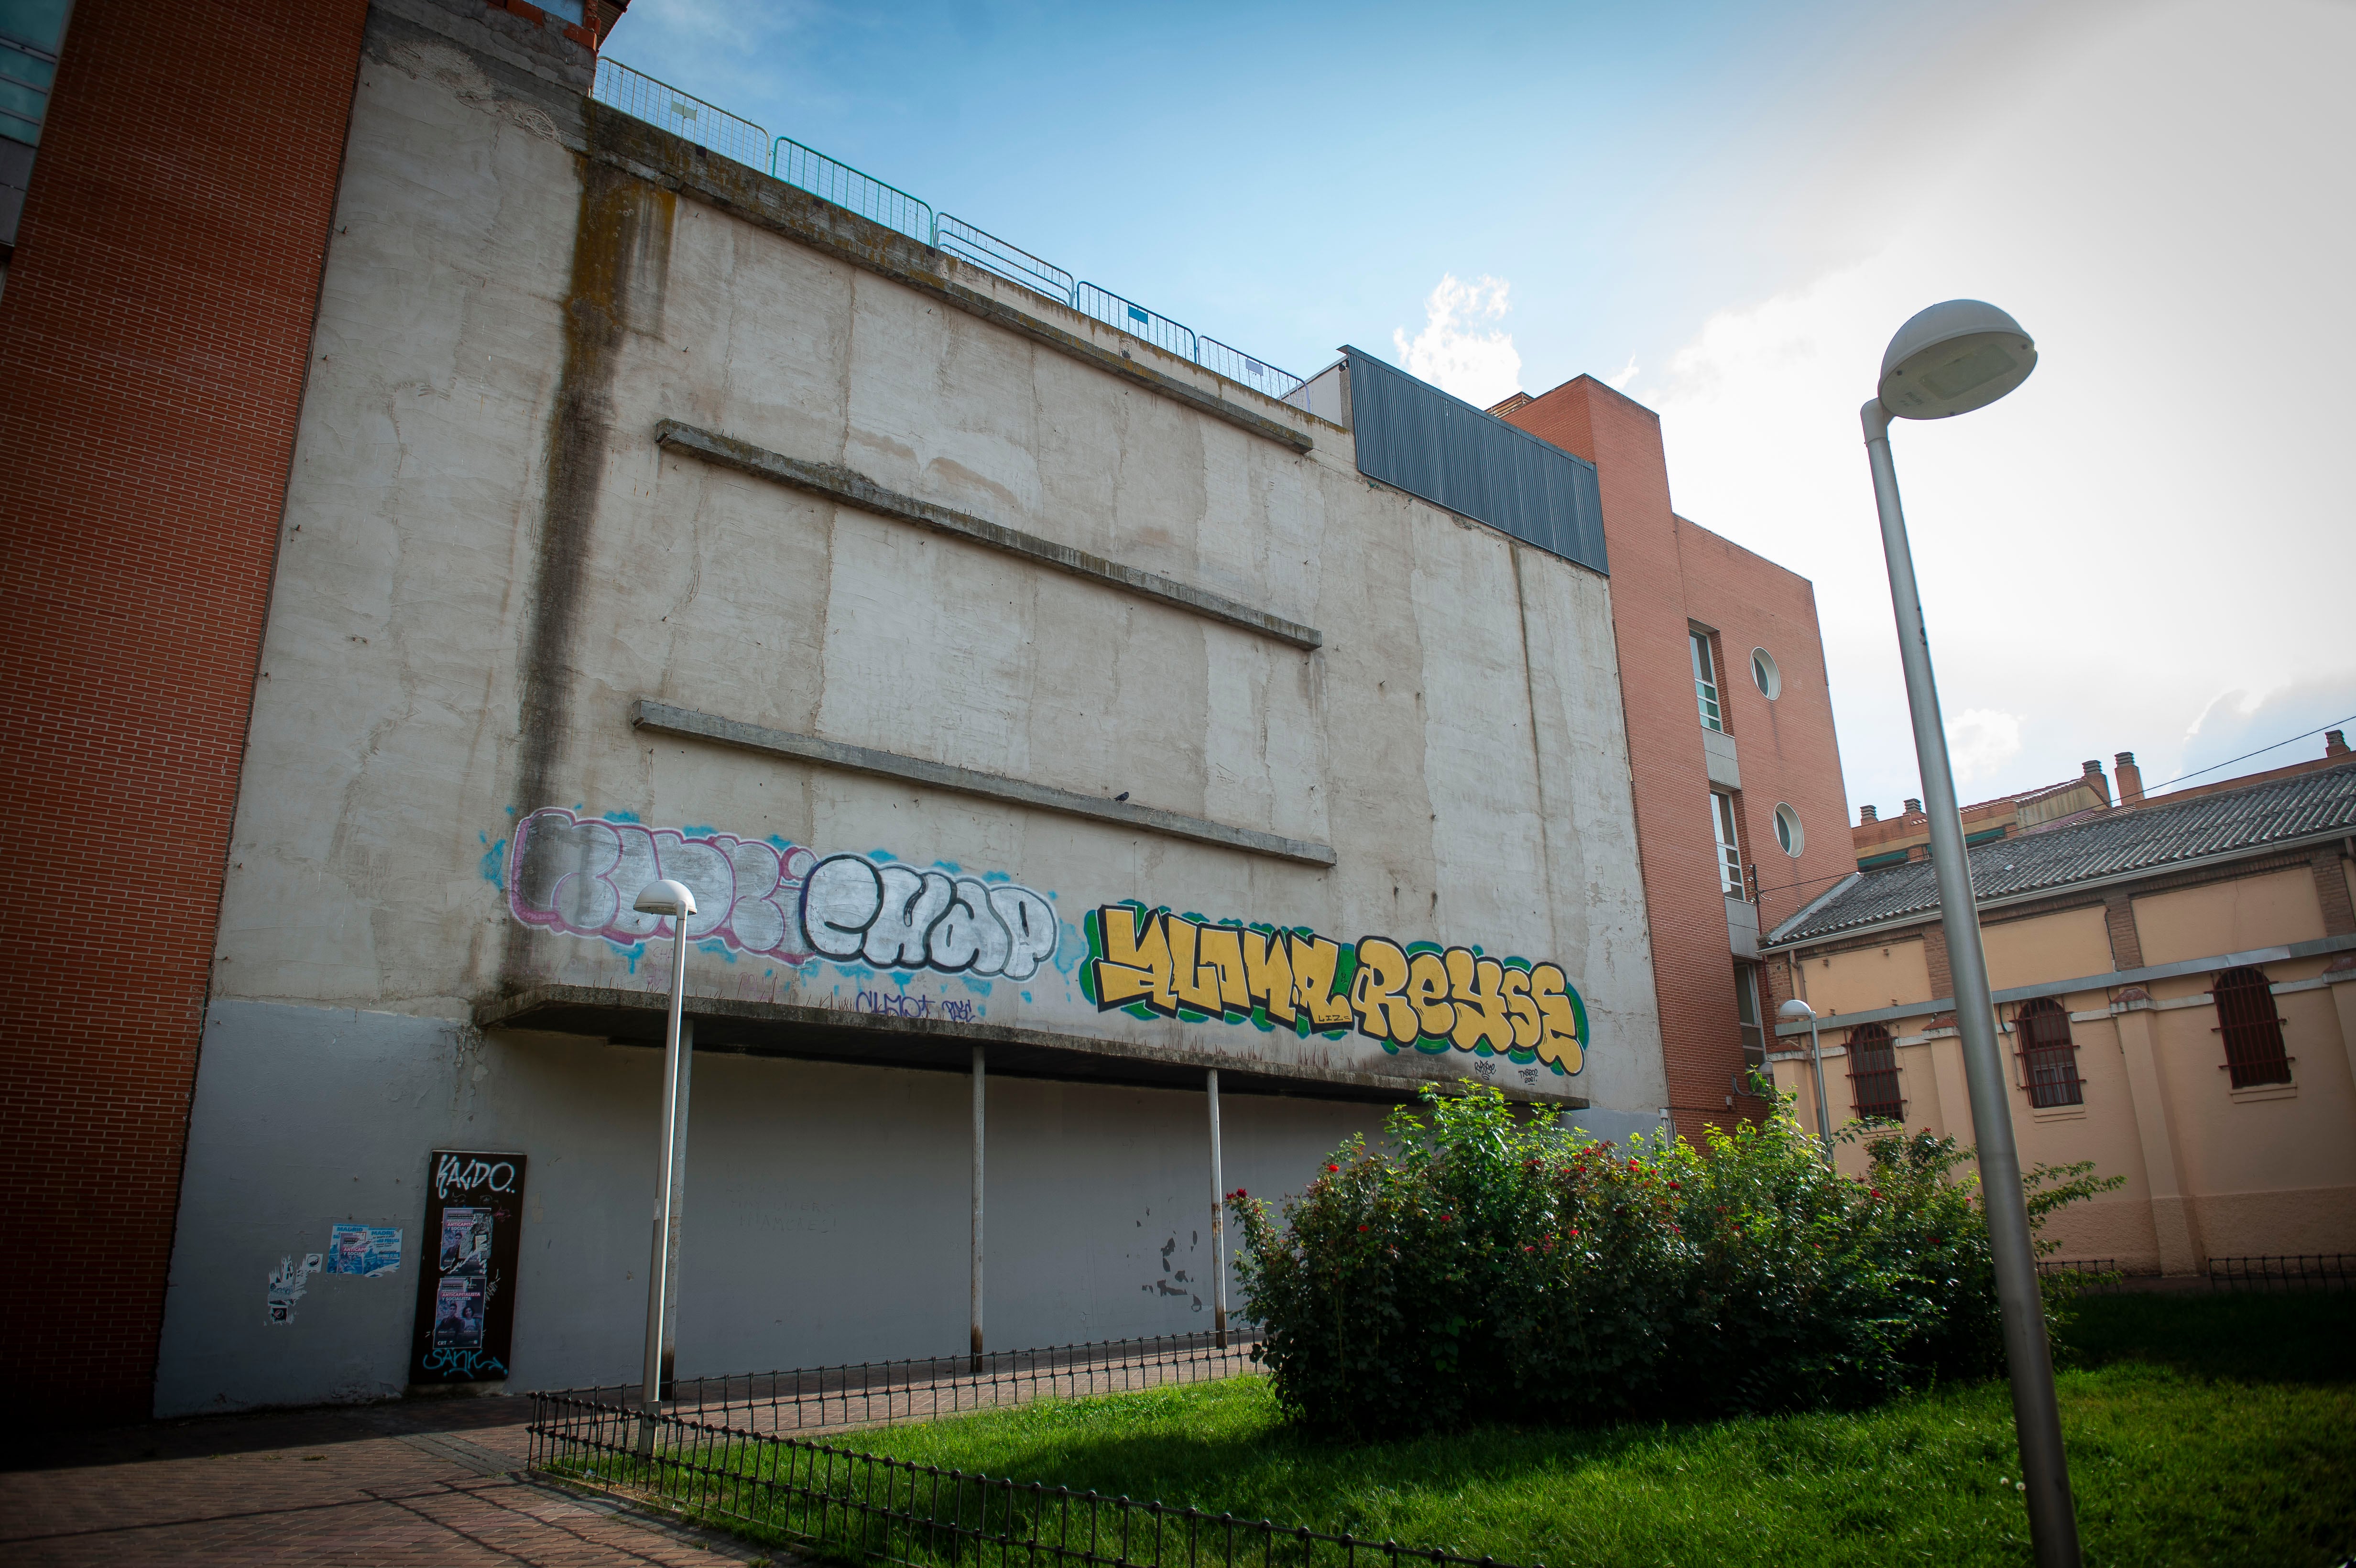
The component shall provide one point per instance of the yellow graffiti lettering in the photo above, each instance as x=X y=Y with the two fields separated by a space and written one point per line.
x=1474 y=984
x=1383 y=1012
x=1315 y=962
x=1559 y=1039
x=1515 y=986
x=1222 y=967
x=1426 y=987
x=1268 y=976
x=1186 y=973
x=1136 y=965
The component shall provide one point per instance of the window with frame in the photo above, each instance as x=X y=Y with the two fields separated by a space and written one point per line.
x=1705 y=682
x=1729 y=847
x=1746 y=1012
x=1873 y=1075
x=2252 y=1029
x=2048 y=1056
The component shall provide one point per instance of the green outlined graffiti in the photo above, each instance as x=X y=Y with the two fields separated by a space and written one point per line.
x=1418 y=995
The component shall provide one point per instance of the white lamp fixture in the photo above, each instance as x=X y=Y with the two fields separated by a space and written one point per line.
x=1953 y=358
x=1797 y=1011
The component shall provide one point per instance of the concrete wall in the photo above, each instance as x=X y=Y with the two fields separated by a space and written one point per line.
x=487 y=560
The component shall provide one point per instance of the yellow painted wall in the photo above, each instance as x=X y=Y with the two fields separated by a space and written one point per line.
x=1867 y=979
x=2229 y=917
x=2051 y=947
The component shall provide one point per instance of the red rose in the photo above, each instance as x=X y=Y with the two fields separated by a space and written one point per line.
x=1333 y=1167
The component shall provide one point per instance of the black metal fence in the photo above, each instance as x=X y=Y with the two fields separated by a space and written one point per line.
x=877 y=1394
x=2300 y=1271
x=793 y=1491
x=2094 y=1276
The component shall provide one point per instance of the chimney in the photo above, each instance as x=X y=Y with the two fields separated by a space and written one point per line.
x=1914 y=807
x=1865 y=813
x=2130 y=778
x=2335 y=742
x=2094 y=776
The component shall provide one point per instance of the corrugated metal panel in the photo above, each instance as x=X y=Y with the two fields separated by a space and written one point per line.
x=1411 y=434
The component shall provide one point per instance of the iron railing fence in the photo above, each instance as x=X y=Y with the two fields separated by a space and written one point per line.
x=2097 y=1276
x=2296 y=1270
x=794 y=1491
x=879 y=1393
x=683 y=114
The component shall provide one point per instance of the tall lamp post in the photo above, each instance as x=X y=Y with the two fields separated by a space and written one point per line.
x=672 y=900
x=1948 y=360
x=1793 y=1012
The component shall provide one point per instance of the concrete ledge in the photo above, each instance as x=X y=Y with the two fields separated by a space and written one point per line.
x=660 y=158
x=664 y=719
x=828 y=1034
x=856 y=489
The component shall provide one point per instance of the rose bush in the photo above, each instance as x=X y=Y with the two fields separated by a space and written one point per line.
x=1482 y=1266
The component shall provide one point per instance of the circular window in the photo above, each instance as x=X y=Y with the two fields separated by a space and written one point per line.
x=1788 y=831
x=1765 y=675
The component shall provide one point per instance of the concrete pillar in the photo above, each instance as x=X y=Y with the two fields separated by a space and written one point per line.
x=2172 y=1217
x=1947 y=1064
x=981 y=1086
x=2342 y=973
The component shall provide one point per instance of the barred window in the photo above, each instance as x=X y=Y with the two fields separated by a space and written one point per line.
x=2049 y=1057
x=1873 y=1075
x=2253 y=1031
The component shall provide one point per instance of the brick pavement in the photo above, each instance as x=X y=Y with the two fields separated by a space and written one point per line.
x=427 y=1481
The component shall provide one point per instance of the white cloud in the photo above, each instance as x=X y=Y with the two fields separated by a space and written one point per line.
x=1980 y=740
x=1618 y=380
x=1453 y=353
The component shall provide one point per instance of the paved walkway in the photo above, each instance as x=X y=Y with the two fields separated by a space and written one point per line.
x=423 y=1481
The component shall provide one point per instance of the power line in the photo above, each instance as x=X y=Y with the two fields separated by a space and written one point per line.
x=2261 y=750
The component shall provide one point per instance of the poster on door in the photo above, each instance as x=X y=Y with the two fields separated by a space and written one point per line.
x=466 y=1287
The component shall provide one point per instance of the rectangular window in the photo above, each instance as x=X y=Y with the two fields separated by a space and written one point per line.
x=1873 y=1075
x=1730 y=850
x=1706 y=681
x=1746 y=1009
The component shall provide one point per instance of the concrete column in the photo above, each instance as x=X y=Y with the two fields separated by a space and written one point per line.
x=2173 y=1218
x=1218 y=1219
x=2342 y=975
x=979 y=1086
x=1947 y=1066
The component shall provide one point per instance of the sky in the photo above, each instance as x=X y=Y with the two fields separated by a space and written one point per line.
x=1724 y=211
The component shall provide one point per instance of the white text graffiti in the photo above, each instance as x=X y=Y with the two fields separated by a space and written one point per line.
x=896 y=917
x=580 y=875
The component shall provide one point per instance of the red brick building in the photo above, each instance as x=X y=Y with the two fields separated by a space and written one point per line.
x=1740 y=813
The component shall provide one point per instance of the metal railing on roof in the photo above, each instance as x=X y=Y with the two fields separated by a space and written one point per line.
x=683 y=114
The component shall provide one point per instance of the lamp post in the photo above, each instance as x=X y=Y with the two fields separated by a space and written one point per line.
x=1793 y=1012
x=1947 y=360
x=666 y=897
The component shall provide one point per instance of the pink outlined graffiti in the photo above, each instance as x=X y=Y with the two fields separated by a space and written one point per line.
x=580 y=875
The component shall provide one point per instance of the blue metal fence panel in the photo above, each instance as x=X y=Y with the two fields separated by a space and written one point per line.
x=1412 y=435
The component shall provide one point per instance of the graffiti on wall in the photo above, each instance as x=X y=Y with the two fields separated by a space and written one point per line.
x=580 y=875
x=1419 y=996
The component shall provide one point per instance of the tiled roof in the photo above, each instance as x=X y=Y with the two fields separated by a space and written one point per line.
x=2115 y=843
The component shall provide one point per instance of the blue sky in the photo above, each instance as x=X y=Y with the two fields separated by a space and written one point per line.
x=1725 y=209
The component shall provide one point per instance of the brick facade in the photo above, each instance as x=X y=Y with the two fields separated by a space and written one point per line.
x=1669 y=575
x=154 y=334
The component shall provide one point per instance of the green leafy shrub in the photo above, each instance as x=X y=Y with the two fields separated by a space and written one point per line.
x=1485 y=1267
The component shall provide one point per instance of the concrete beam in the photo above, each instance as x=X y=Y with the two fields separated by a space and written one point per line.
x=664 y=719
x=852 y=488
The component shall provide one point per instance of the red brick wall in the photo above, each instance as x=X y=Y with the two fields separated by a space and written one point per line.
x=154 y=334
x=1666 y=573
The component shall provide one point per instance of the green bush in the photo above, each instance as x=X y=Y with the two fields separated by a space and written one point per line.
x=1484 y=1267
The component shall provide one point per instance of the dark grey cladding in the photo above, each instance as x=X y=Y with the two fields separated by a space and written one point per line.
x=1413 y=436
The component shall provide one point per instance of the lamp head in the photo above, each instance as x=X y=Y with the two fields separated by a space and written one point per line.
x=1795 y=1011
x=666 y=897
x=1953 y=358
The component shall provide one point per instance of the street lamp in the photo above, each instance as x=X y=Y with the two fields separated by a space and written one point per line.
x=1948 y=360
x=1793 y=1012
x=670 y=898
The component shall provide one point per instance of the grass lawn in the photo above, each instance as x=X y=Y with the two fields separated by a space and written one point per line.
x=2202 y=1430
